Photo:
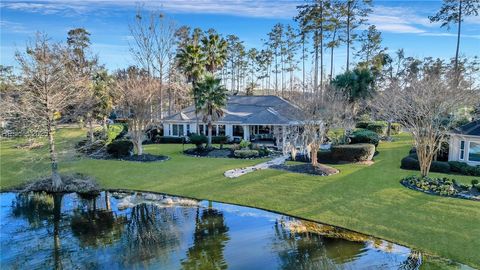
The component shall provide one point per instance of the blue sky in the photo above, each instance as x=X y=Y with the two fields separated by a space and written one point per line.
x=404 y=24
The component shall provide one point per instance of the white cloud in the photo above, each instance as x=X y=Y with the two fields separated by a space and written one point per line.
x=14 y=27
x=247 y=8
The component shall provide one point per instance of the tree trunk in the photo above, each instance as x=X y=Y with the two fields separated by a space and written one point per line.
x=389 y=128
x=105 y=126
x=425 y=159
x=321 y=50
x=138 y=145
x=315 y=75
x=303 y=63
x=90 y=130
x=457 y=73
x=348 y=35
x=314 y=155
x=56 y=179
x=209 y=145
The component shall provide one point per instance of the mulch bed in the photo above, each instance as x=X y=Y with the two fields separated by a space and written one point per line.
x=216 y=153
x=472 y=194
x=144 y=158
x=307 y=168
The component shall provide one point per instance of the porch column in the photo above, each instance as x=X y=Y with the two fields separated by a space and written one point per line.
x=166 y=129
x=185 y=129
x=229 y=131
x=284 y=138
x=246 y=132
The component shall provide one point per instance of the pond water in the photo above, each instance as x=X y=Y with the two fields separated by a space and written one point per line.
x=135 y=230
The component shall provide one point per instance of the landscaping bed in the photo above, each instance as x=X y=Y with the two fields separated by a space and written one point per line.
x=307 y=168
x=142 y=158
x=443 y=187
x=228 y=153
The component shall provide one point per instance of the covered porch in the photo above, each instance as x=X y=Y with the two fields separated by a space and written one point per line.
x=269 y=135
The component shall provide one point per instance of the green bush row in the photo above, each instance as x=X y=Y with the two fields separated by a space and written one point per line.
x=353 y=152
x=246 y=153
x=379 y=127
x=169 y=139
x=411 y=162
x=120 y=148
x=364 y=136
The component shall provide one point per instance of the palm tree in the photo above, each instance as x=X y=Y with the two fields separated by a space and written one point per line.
x=215 y=51
x=212 y=97
x=191 y=61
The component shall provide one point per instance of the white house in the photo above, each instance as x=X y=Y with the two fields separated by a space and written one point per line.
x=254 y=118
x=465 y=144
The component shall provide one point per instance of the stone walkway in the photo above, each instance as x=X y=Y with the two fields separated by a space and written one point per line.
x=262 y=166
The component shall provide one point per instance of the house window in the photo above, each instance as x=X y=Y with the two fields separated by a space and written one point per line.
x=221 y=130
x=474 y=152
x=188 y=129
x=201 y=129
x=462 y=150
x=238 y=131
x=177 y=130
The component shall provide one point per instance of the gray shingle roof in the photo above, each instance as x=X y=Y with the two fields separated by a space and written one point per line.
x=471 y=129
x=261 y=110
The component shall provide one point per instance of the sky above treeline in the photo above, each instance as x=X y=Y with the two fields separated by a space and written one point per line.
x=404 y=24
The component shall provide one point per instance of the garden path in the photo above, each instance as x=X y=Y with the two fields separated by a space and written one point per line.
x=261 y=166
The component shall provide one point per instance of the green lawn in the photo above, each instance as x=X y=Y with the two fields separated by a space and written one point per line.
x=367 y=199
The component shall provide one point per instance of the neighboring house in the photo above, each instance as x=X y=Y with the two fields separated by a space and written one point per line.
x=254 y=118
x=465 y=144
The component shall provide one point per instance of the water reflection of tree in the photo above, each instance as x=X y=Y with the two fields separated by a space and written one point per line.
x=35 y=207
x=151 y=233
x=210 y=238
x=311 y=250
x=94 y=226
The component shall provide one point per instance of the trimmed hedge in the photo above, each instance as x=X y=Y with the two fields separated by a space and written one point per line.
x=120 y=148
x=464 y=168
x=353 y=152
x=169 y=139
x=395 y=128
x=198 y=139
x=411 y=163
x=362 y=124
x=364 y=136
x=378 y=127
x=246 y=153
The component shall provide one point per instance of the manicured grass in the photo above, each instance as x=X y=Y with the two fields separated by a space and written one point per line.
x=368 y=199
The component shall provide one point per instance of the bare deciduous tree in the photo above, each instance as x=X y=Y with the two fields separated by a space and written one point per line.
x=317 y=116
x=137 y=90
x=425 y=107
x=153 y=49
x=48 y=89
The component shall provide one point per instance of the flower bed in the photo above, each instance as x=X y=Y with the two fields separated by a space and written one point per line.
x=443 y=187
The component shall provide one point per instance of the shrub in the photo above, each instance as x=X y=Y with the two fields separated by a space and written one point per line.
x=246 y=153
x=364 y=136
x=198 y=139
x=362 y=124
x=244 y=144
x=120 y=148
x=411 y=163
x=474 y=182
x=353 y=152
x=169 y=139
x=464 y=168
x=379 y=127
x=395 y=128
x=220 y=139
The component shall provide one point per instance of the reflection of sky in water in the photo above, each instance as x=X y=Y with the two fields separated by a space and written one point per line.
x=175 y=237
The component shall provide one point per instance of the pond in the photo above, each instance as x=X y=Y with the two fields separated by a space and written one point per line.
x=120 y=230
